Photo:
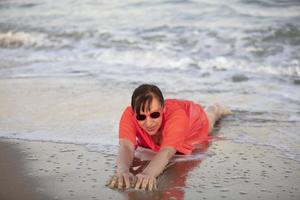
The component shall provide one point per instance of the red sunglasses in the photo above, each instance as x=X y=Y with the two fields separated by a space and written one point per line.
x=153 y=115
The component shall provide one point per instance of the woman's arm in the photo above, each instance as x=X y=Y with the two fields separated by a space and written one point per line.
x=125 y=156
x=148 y=177
x=124 y=161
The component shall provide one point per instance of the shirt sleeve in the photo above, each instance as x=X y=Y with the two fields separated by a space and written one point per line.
x=176 y=127
x=127 y=127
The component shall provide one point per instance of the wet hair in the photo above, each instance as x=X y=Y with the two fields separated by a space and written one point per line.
x=143 y=95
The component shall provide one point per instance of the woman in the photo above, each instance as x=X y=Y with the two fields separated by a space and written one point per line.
x=166 y=126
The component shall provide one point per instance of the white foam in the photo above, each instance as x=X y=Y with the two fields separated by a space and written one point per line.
x=58 y=66
x=144 y=59
x=13 y=39
x=161 y=55
x=166 y=60
x=234 y=64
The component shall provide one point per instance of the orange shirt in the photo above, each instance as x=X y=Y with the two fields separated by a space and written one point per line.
x=184 y=126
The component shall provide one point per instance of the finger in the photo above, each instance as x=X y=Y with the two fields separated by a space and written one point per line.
x=150 y=184
x=155 y=184
x=113 y=182
x=134 y=180
x=138 y=183
x=145 y=183
x=120 y=182
x=127 y=181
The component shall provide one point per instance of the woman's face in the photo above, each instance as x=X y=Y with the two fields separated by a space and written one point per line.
x=151 y=124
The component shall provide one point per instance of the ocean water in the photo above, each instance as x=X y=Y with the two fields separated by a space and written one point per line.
x=244 y=54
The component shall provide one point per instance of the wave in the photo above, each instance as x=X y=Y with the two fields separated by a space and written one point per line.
x=156 y=59
x=223 y=63
x=139 y=60
x=272 y=50
x=12 y=39
x=37 y=40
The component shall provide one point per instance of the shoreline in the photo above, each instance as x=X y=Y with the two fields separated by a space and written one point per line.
x=45 y=170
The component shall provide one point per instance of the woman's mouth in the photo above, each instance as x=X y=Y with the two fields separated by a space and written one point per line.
x=150 y=129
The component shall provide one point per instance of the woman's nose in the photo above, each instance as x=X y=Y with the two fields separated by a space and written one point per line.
x=148 y=121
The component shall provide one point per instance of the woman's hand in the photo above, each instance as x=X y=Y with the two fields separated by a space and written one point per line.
x=123 y=177
x=121 y=180
x=147 y=179
x=144 y=182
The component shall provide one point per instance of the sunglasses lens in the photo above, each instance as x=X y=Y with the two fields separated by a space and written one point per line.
x=140 y=117
x=155 y=115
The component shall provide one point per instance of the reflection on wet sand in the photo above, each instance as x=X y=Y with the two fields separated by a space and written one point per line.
x=171 y=183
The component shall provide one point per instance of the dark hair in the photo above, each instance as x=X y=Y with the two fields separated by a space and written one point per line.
x=143 y=95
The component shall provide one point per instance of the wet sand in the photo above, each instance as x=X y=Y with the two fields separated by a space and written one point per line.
x=44 y=170
x=14 y=181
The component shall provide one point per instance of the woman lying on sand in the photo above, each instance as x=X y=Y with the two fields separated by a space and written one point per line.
x=166 y=126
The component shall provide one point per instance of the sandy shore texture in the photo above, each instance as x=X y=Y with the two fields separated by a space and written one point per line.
x=44 y=170
x=62 y=109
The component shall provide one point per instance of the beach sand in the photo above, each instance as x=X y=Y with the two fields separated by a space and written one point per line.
x=32 y=170
x=45 y=170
